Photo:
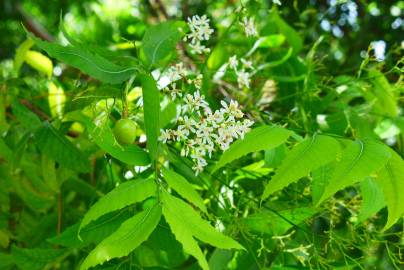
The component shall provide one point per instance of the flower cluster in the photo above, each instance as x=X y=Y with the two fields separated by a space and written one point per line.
x=243 y=76
x=202 y=131
x=200 y=31
x=179 y=72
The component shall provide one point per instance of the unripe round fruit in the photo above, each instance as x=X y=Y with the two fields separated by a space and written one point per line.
x=125 y=131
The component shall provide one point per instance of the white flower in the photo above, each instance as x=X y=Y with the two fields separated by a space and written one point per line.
x=189 y=145
x=249 y=27
x=198 y=81
x=198 y=168
x=181 y=134
x=195 y=102
x=200 y=31
x=165 y=135
x=243 y=79
x=277 y=2
x=214 y=119
x=198 y=48
x=177 y=72
x=204 y=132
x=174 y=91
x=247 y=64
x=233 y=62
x=214 y=130
x=232 y=109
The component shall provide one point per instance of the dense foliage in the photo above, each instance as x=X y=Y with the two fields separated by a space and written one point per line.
x=201 y=135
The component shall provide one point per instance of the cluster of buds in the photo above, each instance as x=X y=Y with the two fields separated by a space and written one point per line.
x=200 y=31
x=202 y=131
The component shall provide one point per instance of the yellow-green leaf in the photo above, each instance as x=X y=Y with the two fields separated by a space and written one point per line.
x=39 y=62
x=391 y=181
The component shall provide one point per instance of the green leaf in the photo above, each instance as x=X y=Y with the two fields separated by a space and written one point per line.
x=34 y=259
x=123 y=195
x=49 y=174
x=385 y=100
x=184 y=188
x=20 y=53
x=260 y=138
x=293 y=38
x=151 y=108
x=218 y=57
x=220 y=259
x=5 y=151
x=26 y=117
x=273 y=157
x=54 y=144
x=4 y=126
x=272 y=41
x=131 y=234
x=95 y=232
x=391 y=181
x=6 y=261
x=167 y=114
x=160 y=40
x=320 y=178
x=301 y=160
x=91 y=64
x=104 y=138
x=186 y=224
x=359 y=159
x=279 y=223
x=373 y=199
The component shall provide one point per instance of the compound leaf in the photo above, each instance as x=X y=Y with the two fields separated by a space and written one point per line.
x=184 y=188
x=305 y=157
x=160 y=40
x=54 y=144
x=359 y=159
x=125 y=194
x=185 y=223
x=92 y=64
x=391 y=181
x=131 y=234
x=260 y=138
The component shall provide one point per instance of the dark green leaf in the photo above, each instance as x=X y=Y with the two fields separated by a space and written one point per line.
x=129 y=236
x=54 y=144
x=301 y=160
x=34 y=259
x=151 y=108
x=88 y=62
x=125 y=194
x=160 y=40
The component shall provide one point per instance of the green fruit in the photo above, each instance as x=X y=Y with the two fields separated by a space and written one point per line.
x=125 y=131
